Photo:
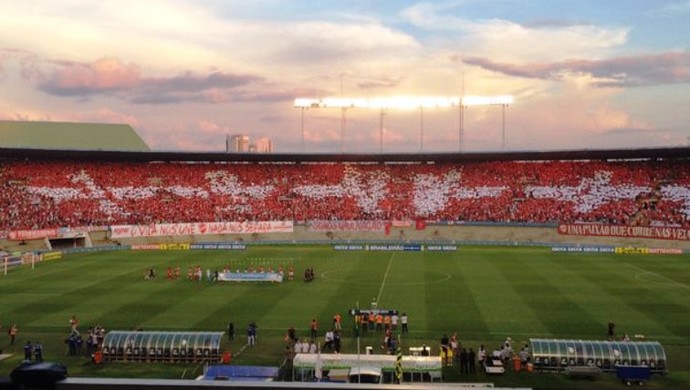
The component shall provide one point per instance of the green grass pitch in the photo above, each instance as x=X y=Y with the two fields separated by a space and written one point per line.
x=483 y=293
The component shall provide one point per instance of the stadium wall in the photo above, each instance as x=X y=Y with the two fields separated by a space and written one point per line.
x=508 y=235
x=462 y=235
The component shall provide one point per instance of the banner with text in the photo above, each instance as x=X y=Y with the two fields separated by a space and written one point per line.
x=51 y=255
x=595 y=230
x=200 y=228
x=21 y=235
x=219 y=245
x=347 y=226
x=250 y=277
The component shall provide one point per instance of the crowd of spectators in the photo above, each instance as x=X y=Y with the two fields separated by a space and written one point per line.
x=49 y=194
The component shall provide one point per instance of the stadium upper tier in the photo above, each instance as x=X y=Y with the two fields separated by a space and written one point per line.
x=37 y=194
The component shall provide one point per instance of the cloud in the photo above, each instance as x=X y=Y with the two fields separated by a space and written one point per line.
x=545 y=40
x=676 y=9
x=101 y=115
x=643 y=70
x=327 y=42
x=112 y=77
x=104 y=76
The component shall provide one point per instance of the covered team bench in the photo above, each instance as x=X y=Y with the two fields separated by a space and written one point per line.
x=136 y=346
x=559 y=355
x=415 y=368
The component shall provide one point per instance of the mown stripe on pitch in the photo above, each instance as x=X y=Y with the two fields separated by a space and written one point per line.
x=340 y=296
x=137 y=307
x=563 y=317
x=602 y=279
x=463 y=313
x=645 y=300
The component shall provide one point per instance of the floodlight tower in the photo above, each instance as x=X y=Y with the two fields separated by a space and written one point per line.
x=467 y=101
x=383 y=113
x=503 y=126
x=343 y=118
x=406 y=102
x=302 y=127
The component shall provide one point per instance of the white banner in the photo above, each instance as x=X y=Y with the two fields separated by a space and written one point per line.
x=250 y=277
x=200 y=228
x=347 y=226
x=384 y=362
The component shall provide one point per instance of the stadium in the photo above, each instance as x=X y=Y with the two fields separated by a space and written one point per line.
x=173 y=266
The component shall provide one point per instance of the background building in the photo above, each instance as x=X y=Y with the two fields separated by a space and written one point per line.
x=264 y=145
x=243 y=144
x=237 y=143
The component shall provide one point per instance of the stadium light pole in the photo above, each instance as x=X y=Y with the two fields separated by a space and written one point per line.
x=503 y=126
x=303 y=109
x=503 y=101
x=343 y=124
x=421 y=129
x=461 y=114
x=383 y=113
x=404 y=102
x=343 y=118
x=461 y=125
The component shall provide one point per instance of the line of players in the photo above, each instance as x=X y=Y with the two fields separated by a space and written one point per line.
x=378 y=322
x=197 y=274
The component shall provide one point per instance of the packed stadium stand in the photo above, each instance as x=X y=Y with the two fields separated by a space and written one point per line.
x=39 y=194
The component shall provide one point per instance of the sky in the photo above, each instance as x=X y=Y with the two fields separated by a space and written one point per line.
x=585 y=74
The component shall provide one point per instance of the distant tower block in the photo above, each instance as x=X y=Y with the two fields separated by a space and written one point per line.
x=237 y=143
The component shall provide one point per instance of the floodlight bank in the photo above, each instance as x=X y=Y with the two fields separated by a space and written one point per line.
x=403 y=102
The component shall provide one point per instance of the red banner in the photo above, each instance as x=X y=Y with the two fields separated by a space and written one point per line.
x=200 y=228
x=596 y=230
x=20 y=235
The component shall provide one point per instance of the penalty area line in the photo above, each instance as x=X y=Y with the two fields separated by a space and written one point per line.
x=385 y=276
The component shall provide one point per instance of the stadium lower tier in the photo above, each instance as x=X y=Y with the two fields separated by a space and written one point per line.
x=49 y=194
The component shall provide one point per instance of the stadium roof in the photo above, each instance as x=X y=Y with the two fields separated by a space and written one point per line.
x=608 y=154
x=70 y=136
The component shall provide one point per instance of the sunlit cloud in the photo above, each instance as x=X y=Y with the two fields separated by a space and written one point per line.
x=187 y=73
x=110 y=76
x=665 y=68
x=509 y=40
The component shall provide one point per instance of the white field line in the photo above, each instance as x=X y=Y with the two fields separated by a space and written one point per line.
x=385 y=276
x=647 y=272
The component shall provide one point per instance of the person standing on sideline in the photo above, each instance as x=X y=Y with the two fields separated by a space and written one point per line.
x=12 y=332
x=464 y=361
x=611 y=330
x=251 y=334
x=313 y=328
x=472 y=361
x=38 y=352
x=28 y=351
x=403 y=323
x=336 y=321
x=74 y=326
x=481 y=355
x=231 y=331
